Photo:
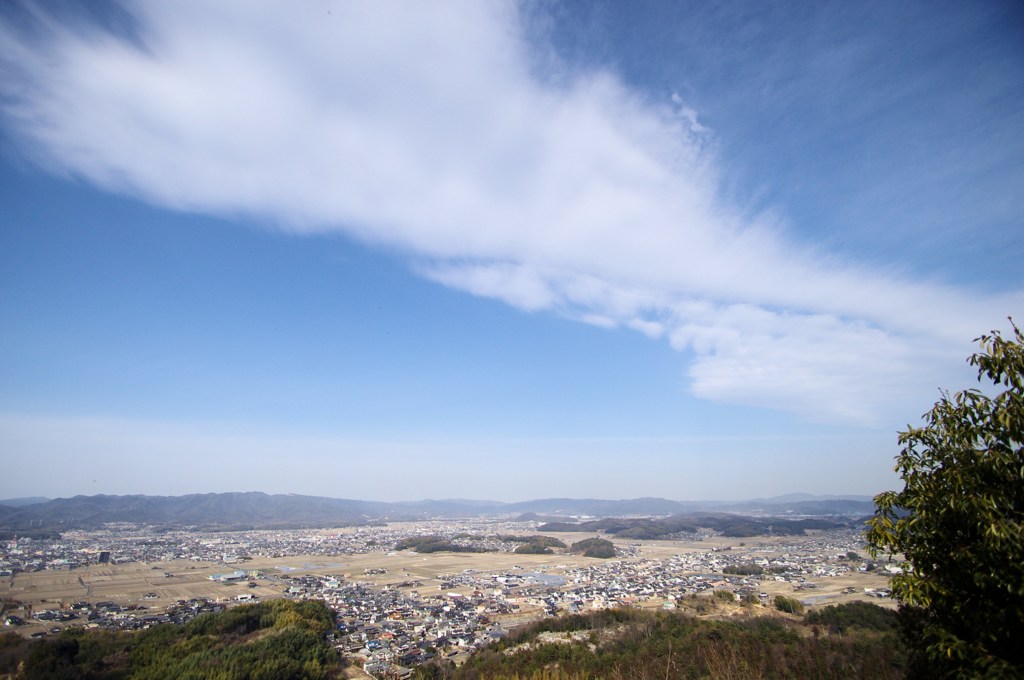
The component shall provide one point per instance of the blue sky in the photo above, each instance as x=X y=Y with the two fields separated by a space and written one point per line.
x=497 y=250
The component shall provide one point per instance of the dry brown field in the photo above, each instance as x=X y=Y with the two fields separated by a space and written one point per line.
x=176 y=580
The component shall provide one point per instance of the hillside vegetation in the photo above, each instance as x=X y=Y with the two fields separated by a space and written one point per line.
x=432 y=544
x=729 y=525
x=274 y=640
x=593 y=547
x=633 y=644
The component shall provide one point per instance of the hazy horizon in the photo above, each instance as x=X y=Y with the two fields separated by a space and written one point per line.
x=788 y=496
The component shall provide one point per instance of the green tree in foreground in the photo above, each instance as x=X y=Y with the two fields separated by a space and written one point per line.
x=958 y=523
x=272 y=640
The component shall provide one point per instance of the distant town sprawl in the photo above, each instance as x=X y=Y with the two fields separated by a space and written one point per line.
x=397 y=606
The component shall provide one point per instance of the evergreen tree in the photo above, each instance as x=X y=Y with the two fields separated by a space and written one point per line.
x=958 y=523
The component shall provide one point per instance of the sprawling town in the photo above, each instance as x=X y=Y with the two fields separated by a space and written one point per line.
x=398 y=608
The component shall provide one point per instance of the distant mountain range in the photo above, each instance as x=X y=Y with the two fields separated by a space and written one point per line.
x=260 y=510
x=22 y=502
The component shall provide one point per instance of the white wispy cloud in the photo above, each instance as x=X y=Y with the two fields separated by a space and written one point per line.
x=431 y=128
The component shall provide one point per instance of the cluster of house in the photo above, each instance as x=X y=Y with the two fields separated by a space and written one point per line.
x=394 y=627
x=142 y=544
x=623 y=583
x=27 y=554
x=112 y=616
x=124 y=542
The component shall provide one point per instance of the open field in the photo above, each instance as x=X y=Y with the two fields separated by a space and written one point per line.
x=175 y=580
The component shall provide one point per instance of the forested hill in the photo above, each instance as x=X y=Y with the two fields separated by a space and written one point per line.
x=845 y=641
x=727 y=524
x=260 y=510
x=274 y=640
x=206 y=510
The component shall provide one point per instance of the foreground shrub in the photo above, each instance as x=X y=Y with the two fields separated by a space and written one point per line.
x=790 y=605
